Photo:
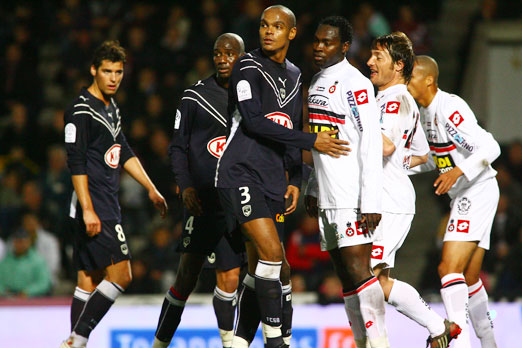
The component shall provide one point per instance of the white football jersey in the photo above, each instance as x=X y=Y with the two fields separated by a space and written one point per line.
x=341 y=98
x=400 y=122
x=456 y=139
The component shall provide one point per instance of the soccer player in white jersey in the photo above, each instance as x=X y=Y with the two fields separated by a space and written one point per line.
x=463 y=153
x=404 y=147
x=349 y=187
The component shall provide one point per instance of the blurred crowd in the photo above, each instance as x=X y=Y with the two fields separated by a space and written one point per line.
x=45 y=52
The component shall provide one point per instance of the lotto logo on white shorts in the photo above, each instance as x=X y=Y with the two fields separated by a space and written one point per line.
x=112 y=156
x=392 y=107
x=361 y=97
x=377 y=252
x=216 y=146
x=463 y=226
x=456 y=118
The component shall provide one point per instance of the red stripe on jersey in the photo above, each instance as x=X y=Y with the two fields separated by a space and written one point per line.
x=443 y=149
x=325 y=118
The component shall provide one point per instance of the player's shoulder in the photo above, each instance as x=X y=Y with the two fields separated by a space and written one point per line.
x=81 y=105
x=356 y=80
x=450 y=105
x=292 y=68
x=201 y=85
x=250 y=59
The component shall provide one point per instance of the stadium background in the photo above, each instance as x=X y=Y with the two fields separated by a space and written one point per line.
x=45 y=51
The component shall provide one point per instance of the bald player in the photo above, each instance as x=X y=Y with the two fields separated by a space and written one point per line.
x=197 y=143
x=463 y=153
x=262 y=150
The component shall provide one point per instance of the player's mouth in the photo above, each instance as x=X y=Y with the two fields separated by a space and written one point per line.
x=223 y=70
x=318 y=58
x=112 y=88
x=268 y=41
x=373 y=73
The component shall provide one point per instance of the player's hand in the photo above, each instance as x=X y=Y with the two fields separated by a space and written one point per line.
x=331 y=146
x=371 y=220
x=192 y=201
x=159 y=202
x=446 y=181
x=311 y=206
x=293 y=191
x=92 y=223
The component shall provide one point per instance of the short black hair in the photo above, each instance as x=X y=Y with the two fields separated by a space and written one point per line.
x=400 y=48
x=109 y=50
x=341 y=23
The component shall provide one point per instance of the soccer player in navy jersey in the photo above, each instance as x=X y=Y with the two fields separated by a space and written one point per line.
x=265 y=142
x=96 y=150
x=197 y=143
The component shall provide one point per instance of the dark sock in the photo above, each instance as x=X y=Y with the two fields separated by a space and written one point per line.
x=248 y=316
x=96 y=307
x=286 y=324
x=268 y=292
x=79 y=299
x=224 y=307
x=170 y=315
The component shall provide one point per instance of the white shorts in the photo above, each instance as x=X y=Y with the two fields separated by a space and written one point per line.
x=392 y=232
x=342 y=228
x=472 y=213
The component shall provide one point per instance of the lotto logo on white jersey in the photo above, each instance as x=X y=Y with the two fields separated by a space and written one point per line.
x=456 y=118
x=463 y=226
x=361 y=97
x=392 y=107
x=112 y=156
x=377 y=252
x=216 y=146
x=281 y=118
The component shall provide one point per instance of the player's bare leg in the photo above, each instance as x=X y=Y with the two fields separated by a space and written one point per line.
x=407 y=300
x=224 y=303
x=478 y=301
x=263 y=233
x=117 y=278
x=456 y=256
x=175 y=299
x=363 y=296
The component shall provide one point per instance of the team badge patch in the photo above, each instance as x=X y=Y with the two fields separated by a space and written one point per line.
x=331 y=89
x=70 y=133
x=377 y=252
x=124 y=249
x=216 y=146
x=392 y=107
x=244 y=92
x=186 y=241
x=211 y=258
x=112 y=156
x=463 y=205
x=463 y=226
x=350 y=232
x=361 y=97
x=456 y=118
x=282 y=93
x=451 y=227
x=247 y=210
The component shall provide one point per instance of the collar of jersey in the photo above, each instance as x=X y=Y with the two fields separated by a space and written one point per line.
x=95 y=100
x=395 y=89
x=432 y=108
x=334 y=69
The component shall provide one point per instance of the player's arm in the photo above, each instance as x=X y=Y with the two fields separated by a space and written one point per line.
x=464 y=132
x=294 y=168
x=246 y=80
x=388 y=147
x=133 y=166
x=178 y=153
x=77 y=127
x=370 y=158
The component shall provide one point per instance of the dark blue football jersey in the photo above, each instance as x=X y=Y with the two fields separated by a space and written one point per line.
x=265 y=122
x=96 y=147
x=199 y=134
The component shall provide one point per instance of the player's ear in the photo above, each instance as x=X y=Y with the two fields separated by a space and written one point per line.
x=399 y=65
x=429 y=80
x=93 y=70
x=345 y=47
x=292 y=33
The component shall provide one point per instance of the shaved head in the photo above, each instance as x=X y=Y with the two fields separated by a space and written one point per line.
x=235 y=41
x=427 y=66
x=290 y=17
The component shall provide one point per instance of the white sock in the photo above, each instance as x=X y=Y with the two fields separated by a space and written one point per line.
x=371 y=298
x=78 y=341
x=454 y=294
x=239 y=342
x=409 y=302
x=353 y=311
x=479 y=315
x=159 y=344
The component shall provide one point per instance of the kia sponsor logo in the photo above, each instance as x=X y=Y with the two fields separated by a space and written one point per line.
x=216 y=146
x=281 y=118
x=112 y=156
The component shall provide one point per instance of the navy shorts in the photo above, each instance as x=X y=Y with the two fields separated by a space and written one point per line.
x=224 y=258
x=106 y=248
x=247 y=203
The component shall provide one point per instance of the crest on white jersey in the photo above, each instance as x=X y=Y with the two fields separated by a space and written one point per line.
x=112 y=156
